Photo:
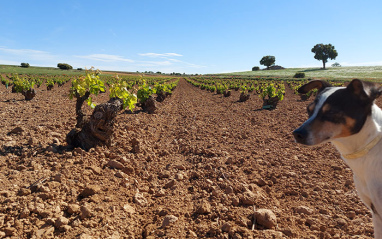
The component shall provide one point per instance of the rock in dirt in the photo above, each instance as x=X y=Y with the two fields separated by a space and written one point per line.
x=160 y=193
x=341 y=222
x=120 y=175
x=17 y=131
x=140 y=199
x=10 y=143
x=192 y=234
x=303 y=210
x=229 y=190
x=61 y=221
x=45 y=232
x=179 y=176
x=128 y=208
x=24 y=213
x=226 y=227
x=115 y=164
x=24 y=192
x=73 y=208
x=58 y=178
x=248 y=198
x=204 y=208
x=169 y=219
x=96 y=170
x=10 y=231
x=266 y=218
x=170 y=184
x=90 y=191
x=84 y=236
x=85 y=212
x=272 y=234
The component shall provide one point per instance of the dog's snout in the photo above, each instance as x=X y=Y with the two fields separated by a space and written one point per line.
x=300 y=135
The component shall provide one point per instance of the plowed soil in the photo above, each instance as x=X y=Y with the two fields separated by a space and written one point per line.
x=200 y=167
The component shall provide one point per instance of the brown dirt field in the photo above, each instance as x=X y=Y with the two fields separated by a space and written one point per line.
x=200 y=168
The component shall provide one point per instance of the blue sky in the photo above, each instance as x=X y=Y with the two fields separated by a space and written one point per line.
x=198 y=36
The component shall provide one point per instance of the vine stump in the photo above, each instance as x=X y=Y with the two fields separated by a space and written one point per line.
x=98 y=129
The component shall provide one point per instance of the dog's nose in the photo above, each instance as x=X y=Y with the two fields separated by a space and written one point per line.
x=300 y=135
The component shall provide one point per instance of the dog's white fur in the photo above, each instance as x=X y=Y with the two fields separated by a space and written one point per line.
x=367 y=170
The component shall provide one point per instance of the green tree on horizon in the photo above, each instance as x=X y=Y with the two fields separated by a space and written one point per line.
x=323 y=52
x=268 y=61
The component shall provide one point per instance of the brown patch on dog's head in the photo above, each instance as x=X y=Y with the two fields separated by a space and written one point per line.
x=310 y=108
x=347 y=128
x=325 y=108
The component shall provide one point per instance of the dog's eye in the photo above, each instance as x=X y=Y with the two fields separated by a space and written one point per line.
x=333 y=116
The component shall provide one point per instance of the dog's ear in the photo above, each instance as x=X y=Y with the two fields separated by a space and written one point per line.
x=365 y=90
x=314 y=84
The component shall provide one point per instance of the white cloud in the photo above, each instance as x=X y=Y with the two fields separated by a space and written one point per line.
x=8 y=62
x=174 y=60
x=27 y=54
x=164 y=62
x=154 y=63
x=105 y=58
x=159 y=54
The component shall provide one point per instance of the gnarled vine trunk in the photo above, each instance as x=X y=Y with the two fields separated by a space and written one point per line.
x=244 y=97
x=29 y=94
x=149 y=105
x=98 y=129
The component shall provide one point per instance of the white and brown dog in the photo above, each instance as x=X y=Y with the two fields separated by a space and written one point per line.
x=348 y=118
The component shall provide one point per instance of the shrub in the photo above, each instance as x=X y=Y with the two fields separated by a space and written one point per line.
x=299 y=75
x=79 y=69
x=255 y=68
x=64 y=66
x=26 y=65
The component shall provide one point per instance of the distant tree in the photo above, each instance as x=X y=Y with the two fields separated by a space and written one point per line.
x=336 y=64
x=64 y=66
x=255 y=68
x=268 y=61
x=26 y=65
x=323 y=52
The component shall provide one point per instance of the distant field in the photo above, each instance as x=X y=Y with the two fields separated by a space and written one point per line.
x=340 y=73
x=34 y=70
x=373 y=73
x=37 y=70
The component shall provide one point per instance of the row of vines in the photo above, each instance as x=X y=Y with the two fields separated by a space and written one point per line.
x=143 y=87
x=270 y=90
x=125 y=92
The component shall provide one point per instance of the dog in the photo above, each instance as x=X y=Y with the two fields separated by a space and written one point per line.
x=349 y=119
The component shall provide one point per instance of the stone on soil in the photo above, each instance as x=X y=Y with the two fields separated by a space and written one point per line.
x=266 y=218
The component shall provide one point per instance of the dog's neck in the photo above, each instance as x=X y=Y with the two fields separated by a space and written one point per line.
x=370 y=131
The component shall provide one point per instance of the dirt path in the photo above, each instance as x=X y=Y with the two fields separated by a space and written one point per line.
x=199 y=167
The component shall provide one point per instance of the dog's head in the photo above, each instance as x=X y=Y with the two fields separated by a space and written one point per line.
x=336 y=111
